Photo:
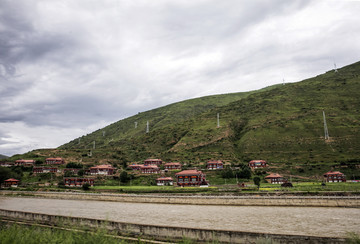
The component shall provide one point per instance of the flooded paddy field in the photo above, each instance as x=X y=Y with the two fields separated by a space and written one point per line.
x=314 y=221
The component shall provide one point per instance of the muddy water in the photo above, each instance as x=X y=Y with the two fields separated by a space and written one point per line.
x=332 y=222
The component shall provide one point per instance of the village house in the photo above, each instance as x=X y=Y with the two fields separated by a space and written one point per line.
x=214 y=164
x=104 y=169
x=24 y=162
x=153 y=162
x=11 y=183
x=172 y=166
x=255 y=164
x=42 y=170
x=149 y=169
x=78 y=182
x=6 y=164
x=135 y=166
x=164 y=181
x=275 y=178
x=334 y=176
x=190 y=178
x=54 y=161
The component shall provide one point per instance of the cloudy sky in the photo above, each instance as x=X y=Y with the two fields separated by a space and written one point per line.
x=69 y=67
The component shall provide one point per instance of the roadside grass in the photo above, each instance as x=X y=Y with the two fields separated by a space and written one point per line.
x=18 y=234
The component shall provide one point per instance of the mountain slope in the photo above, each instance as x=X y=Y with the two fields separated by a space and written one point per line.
x=282 y=124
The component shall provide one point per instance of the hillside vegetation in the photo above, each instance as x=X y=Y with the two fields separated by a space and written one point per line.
x=282 y=124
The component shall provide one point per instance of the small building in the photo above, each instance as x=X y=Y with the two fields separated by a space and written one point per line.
x=154 y=162
x=25 y=162
x=104 y=169
x=164 y=181
x=255 y=164
x=191 y=178
x=334 y=176
x=214 y=164
x=11 y=182
x=43 y=170
x=6 y=164
x=136 y=166
x=172 y=166
x=74 y=171
x=54 y=161
x=275 y=178
x=78 y=182
x=149 y=169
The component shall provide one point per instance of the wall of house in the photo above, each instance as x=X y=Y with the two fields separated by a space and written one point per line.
x=162 y=232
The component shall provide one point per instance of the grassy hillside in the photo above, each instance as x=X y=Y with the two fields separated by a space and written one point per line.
x=282 y=124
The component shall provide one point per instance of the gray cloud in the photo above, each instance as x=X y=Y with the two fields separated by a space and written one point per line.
x=68 y=68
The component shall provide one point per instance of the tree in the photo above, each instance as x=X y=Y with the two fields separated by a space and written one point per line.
x=257 y=181
x=124 y=177
x=86 y=186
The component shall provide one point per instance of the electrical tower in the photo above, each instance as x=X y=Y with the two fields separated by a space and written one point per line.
x=325 y=128
x=335 y=69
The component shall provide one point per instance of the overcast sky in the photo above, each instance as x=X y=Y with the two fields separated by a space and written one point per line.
x=69 y=67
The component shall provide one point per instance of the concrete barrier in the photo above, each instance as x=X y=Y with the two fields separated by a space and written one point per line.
x=299 y=201
x=164 y=232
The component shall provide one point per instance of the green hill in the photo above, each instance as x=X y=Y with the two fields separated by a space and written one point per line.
x=282 y=124
x=3 y=156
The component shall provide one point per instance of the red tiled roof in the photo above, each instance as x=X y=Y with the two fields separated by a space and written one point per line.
x=333 y=173
x=25 y=161
x=189 y=172
x=11 y=179
x=273 y=175
x=214 y=162
x=153 y=159
x=254 y=161
x=54 y=159
x=103 y=166
x=172 y=164
x=165 y=178
x=149 y=167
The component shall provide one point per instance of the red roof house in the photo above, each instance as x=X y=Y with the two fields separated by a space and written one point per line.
x=275 y=178
x=149 y=169
x=215 y=164
x=136 y=166
x=104 y=169
x=334 y=176
x=155 y=162
x=11 y=182
x=255 y=164
x=171 y=166
x=54 y=161
x=191 y=178
x=40 y=170
x=24 y=162
x=165 y=181
x=78 y=182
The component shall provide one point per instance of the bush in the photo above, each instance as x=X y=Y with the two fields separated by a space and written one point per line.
x=86 y=187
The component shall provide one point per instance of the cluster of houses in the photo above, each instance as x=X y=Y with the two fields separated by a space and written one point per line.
x=192 y=177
